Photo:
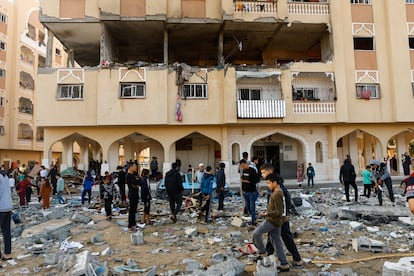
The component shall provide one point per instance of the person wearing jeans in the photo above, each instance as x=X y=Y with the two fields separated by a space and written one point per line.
x=6 y=206
x=174 y=188
x=60 y=186
x=249 y=179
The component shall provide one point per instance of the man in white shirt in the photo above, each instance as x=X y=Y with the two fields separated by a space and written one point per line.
x=43 y=172
x=199 y=173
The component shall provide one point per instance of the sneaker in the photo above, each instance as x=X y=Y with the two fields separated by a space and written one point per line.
x=140 y=226
x=297 y=265
x=284 y=268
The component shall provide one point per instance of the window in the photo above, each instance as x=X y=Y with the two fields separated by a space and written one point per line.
x=409 y=1
x=300 y=94
x=2 y=101
x=249 y=94
x=2 y=73
x=31 y=31
x=367 y=91
x=366 y=2
x=364 y=43
x=57 y=52
x=70 y=92
x=3 y=18
x=2 y=45
x=195 y=91
x=2 y=130
x=411 y=41
x=132 y=90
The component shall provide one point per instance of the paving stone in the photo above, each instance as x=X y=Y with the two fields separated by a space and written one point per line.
x=367 y=244
x=79 y=218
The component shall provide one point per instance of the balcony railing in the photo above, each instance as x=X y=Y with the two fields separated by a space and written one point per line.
x=308 y=8
x=314 y=107
x=253 y=6
x=261 y=109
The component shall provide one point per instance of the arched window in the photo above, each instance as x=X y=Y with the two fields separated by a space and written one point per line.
x=318 y=152
x=235 y=153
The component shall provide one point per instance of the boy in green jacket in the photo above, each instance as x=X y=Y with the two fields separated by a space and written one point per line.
x=276 y=211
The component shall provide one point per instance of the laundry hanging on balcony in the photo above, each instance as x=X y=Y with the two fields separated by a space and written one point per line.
x=366 y=94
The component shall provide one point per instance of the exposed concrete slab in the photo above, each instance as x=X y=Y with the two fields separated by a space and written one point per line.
x=389 y=211
x=47 y=227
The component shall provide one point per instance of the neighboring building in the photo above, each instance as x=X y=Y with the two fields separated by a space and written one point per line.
x=290 y=82
x=22 y=51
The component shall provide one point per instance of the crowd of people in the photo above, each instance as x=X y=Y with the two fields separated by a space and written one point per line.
x=128 y=187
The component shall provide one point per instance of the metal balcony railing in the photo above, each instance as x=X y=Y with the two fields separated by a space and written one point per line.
x=314 y=107
x=312 y=8
x=261 y=109
x=254 y=7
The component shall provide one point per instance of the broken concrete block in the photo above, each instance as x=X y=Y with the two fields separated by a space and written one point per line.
x=137 y=238
x=405 y=266
x=229 y=267
x=266 y=267
x=97 y=239
x=367 y=244
x=406 y=220
x=236 y=221
x=78 y=218
x=152 y=271
x=190 y=232
x=192 y=265
x=346 y=214
x=49 y=228
x=107 y=251
x=373 y=229
x=218 y=258
x=81 y=267
x=355 y=225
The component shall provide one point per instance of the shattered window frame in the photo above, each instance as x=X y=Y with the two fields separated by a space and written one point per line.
x=132 y=90
x=195 y=91
x=68 y=92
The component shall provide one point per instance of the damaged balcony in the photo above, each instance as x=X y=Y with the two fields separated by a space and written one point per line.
x=313 y=93
x=25 y=106
x=259 y=95
x=26 y=81
x=252 y=10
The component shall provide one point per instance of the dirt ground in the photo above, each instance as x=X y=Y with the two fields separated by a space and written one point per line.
x=175 y=246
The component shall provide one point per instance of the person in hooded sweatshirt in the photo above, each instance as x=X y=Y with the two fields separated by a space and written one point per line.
x=6 y=207
x=207 y=190
x=88 y=182
x=174 y=187
x=347 y=177
x=108 y=196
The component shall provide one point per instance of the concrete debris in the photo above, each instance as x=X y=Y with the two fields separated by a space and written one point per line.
x=236 y=221
x=137 y=238
x=190 y=232
x=355 y=225
x=345 y=213
x=405 y=266
x=366 y=244
x=79 y=218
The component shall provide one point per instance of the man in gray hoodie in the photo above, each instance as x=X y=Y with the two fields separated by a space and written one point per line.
x=6 y=207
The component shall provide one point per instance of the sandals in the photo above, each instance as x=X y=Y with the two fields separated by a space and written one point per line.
x=283 y=269
x=4 y=259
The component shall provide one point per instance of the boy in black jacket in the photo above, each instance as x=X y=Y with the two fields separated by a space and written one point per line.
x=249 y=179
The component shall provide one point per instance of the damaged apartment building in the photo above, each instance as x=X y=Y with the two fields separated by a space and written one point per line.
x=290 y=82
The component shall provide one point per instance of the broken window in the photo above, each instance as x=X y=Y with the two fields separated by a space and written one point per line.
x=40 y=134
x=25 y=105
x=25 y=132
x=367 y=91
x=26 y=80
x=41 y=62
x=41 y=39
x=70 y=91
x=250 y=94
x=364 y=43
x=31 y=32
x=2 y=130
x=132 y=90
x=3 y=18
x=195 y=91
x=366 y=2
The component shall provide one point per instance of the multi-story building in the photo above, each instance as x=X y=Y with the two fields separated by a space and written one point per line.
x=290 y=82
x=22 y=51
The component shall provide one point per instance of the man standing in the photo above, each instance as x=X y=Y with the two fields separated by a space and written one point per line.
x=133 y=195
x=174 y=187
x=310 y=173
x=6 y=207
x=53 y=179
x=60 y=186
x=207 y=190
x=347 y=177
x=154 y=168
x=385 y=177
x=249 y=179
x=221 y=183
x=199 y=173
x=121 y=183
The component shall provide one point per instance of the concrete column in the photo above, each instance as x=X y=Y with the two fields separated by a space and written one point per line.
x=165 y=45
x=85 y=156
x=69 y=154
x=49 y=49
x=367 y=150
x=169 y=157
x=220 y=57
x=333 y=161
x=353 y=150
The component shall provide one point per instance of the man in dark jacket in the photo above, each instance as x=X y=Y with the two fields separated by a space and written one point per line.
x=121 y=183
x=221 y=182
x=174 y=187
x=249 y=179
x=347 y=177
x=133 y=195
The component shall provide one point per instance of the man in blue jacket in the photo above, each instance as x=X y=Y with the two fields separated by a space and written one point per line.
x=221 y=183
x=207 y=190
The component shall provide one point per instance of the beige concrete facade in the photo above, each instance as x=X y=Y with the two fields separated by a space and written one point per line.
x=23 y=50
x=290 y=82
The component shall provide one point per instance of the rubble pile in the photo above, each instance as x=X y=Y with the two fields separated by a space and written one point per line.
x=334 y=238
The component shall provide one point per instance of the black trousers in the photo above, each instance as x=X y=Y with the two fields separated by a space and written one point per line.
x=133 y=205
x=5 y=220
x=221 y=200
x=122 y=191
x=379 y=194
x=207 y=207
x=287 y=238
x=353 y=184
x=367 y=190
x=176 y=201
x=108 y=205
x=388 y=184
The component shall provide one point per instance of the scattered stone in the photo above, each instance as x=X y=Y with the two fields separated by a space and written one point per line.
x=137 y=238
x=355 y=225
x=190 y=232
x=405 y=266
x=346 y=214
x=78 y=218
x=367 y=244
x=236 y=221
x=373 y=229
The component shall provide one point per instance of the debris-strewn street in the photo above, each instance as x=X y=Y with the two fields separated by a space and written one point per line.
x=333 y=237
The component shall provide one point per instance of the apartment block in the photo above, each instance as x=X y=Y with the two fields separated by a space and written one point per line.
x=290 y=82
x=23 y=42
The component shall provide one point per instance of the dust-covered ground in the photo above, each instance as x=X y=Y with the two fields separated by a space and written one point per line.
x=320 y=235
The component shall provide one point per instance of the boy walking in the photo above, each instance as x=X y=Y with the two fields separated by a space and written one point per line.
x=276 y=211
x=366 y=180
x=207 y=190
